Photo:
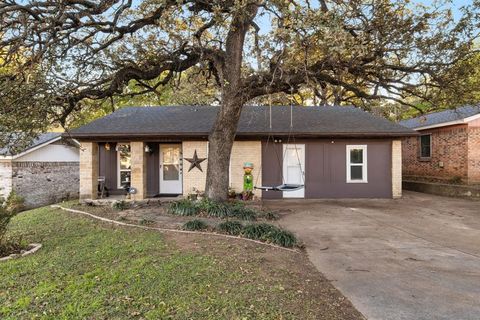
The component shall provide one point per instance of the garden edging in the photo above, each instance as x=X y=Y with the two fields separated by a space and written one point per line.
x=170 y=230
x=34 y=248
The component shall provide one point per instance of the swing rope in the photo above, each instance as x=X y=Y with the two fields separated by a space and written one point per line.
x=284 y=186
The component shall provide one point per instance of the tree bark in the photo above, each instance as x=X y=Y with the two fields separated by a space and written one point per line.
x=224 y=129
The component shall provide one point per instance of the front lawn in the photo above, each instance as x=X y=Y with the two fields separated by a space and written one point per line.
x=90 y=270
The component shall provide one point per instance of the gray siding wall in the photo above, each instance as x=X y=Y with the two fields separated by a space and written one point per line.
x=44 y=183
x=325 y=169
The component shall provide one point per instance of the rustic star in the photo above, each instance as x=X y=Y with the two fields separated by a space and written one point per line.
x=195 y=161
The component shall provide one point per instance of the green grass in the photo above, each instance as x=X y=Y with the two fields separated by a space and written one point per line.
x=89 y=270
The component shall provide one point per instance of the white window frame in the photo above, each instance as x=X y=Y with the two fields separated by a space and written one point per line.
x=119 y=183
x=364 y=165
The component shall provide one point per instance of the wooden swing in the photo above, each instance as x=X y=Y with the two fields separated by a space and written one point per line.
x=284 y=187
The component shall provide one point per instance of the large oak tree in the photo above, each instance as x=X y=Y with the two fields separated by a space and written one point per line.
x=341 y=51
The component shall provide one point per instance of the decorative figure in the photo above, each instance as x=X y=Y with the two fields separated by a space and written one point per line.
x=195 y=161
x=247 y=181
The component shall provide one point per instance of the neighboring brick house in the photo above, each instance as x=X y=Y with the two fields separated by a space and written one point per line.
x=45 y=172
x=447 y=149
x=338 y=152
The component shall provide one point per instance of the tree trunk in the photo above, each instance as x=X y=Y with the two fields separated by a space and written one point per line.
x=220 y=146
x=224 y=129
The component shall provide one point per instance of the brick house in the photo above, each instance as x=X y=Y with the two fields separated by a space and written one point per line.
x=45 y=172
x=447 y=149
x=338 y=152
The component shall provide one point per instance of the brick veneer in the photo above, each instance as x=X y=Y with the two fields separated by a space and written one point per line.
x=139 y=169
x=43 y=183
x=457 y=147
x=396 y=168
x=194 y=180
x=449 y=146
x=474 y=155
x=245 y=151
x=5 y=178
x=88 y=170
x=242 y=151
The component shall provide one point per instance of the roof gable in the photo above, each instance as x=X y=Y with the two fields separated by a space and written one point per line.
x=42 y=139
x=443 y=118
x=254 y=120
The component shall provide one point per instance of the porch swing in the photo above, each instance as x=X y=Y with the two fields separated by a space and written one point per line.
x=284 y=187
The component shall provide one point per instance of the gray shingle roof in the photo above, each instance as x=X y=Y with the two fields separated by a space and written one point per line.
x=438 y=118
x=41 y=139
x=198 y=121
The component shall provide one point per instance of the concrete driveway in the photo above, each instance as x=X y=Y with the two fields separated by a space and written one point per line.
x=412 y=258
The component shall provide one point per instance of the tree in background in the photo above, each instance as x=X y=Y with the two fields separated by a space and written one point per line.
x=341 y=51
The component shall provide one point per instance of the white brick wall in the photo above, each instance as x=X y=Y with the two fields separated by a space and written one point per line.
x=245 y=151
x=396 y=168
x=242 y=151
x=88 y=170
x=5 y=178
x=195 y=179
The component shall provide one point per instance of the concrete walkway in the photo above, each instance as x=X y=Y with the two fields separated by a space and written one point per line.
x=412 y=258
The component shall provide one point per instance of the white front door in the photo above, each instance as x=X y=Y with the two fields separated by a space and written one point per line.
x=171 y=169
x=294 y=168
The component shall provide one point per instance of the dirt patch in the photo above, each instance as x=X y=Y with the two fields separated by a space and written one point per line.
x=259 y=263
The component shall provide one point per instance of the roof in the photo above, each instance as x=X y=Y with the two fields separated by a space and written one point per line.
x=254 y=121
x=41 y=139
x=443 y=118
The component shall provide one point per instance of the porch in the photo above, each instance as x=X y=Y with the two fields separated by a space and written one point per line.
x=157 y=169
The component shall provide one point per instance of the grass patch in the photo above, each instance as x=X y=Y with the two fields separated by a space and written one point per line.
x=90 y=270
x=195 y=225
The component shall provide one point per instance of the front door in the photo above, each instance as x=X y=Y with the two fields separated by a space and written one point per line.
x=294 y=168
x=171 y=169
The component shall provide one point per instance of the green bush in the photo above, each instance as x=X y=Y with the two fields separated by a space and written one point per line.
x=270 y=233
x=120 y=205
x=257 y=231
x=233 y=228
x=282 y=238
x=5 y=217
x=14 y=203
x=243 y=213
x=213 y=208
x=183 y=208
x=195 y=225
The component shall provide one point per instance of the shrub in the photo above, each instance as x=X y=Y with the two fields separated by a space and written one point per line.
x=120 y=205
x=183 y=208
x=14 y=203
x=243 y=213
x=233 y=228
x=5 y=217
x=282 y=238
x=213 y=208
x=195 y=225
x=257 y=231
x=270 y=233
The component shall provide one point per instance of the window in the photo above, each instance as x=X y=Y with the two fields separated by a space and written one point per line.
x=124 y=165
x=357 y=164
x=426 y=146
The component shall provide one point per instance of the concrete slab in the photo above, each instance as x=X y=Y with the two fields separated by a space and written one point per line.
x=412 y=258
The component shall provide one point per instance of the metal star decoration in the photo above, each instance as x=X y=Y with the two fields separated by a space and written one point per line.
x=195 y=161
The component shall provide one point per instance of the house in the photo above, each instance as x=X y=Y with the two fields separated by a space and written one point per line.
x=336 y=152
x=447 y=149
x=44 y=172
